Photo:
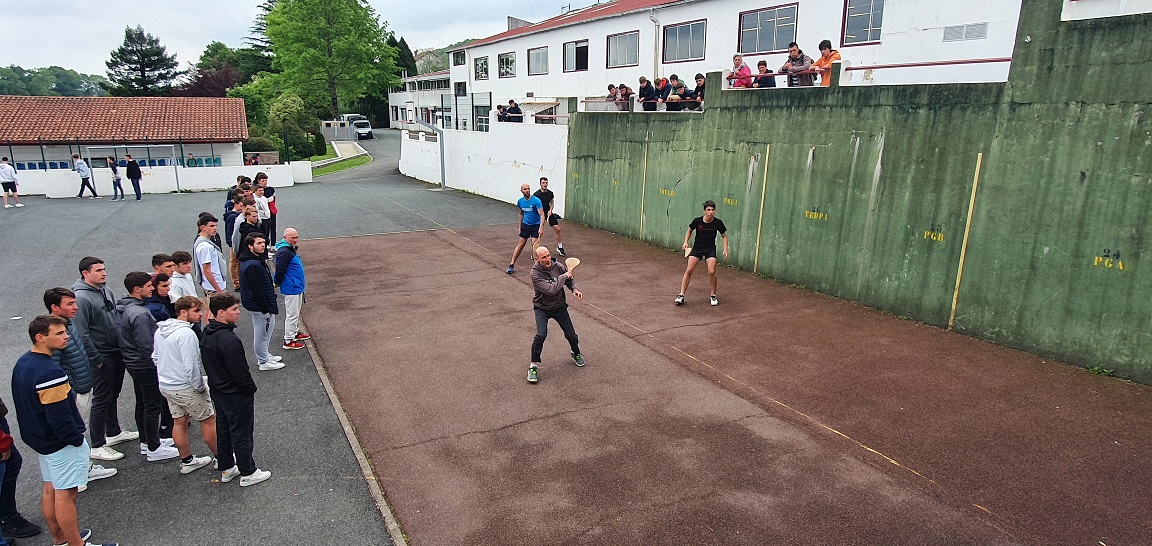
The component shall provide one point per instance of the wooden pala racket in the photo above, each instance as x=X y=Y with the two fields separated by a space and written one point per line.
x=687 y=251
x=572 y=263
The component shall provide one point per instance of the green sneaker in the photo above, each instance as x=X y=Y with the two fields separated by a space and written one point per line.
x=533 y=374
x=579 y=358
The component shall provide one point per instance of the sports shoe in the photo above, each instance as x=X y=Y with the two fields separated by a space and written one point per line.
x=85 y=534
x=194 y=464
x=105 y=453
x=19 y=527
x=19 y=205
x=680 y=299
x=301 y=336
x=7 y=206
x=715 y=302
x=98 y=472
x=79 y=489
x=163 y=442
x=230 y=474
x=560 y=251
x=533 y=374
x=163 y=453
x=579 y=358
x=293 y=345
x=275 y=358
x=266 y=366
x=255 y=477
x=511 y=269
x=124 y=436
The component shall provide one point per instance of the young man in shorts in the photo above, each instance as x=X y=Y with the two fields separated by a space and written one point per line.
x=531 y=212
x=548 y=203
x=177 y=357
x=8 y=183
x=703 y=248
x=51 y=425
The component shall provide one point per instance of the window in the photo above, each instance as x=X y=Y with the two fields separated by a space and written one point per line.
x=576 y=56
x=457 y=58
x=767 y=30
x=431 y=85
x=538 y=61
x=507 y=65
x=411 y=86
x=461 y=89
x=396 y=112
x=481 y=68
x=481 y=113
x=624 y=49
x=862 y=19
x=684 y=42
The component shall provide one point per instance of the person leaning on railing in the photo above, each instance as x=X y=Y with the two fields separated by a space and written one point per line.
x=824 y=63
x=763 y=78
x=741 y=75
x=696 y=96
x=798 y=67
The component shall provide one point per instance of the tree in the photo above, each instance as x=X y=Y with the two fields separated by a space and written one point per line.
x=246 y=62
x=208 y=82
x=333 y=47
x=49 y=81
x=431 y=60
x=257 y=33
x=404 y=58
x=141 y=67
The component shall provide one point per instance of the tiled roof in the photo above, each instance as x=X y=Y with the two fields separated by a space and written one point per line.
x=590 y=13
x=28 y=120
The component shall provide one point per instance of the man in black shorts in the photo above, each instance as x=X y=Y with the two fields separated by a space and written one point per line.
x=703 y=248
x=548 y=199
x=531 y=226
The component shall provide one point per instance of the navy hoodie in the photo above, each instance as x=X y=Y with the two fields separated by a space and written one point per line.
x=225 y=362
x=256 y=290
x=45 y=405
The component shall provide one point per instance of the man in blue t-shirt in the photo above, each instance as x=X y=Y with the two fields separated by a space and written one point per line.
x=531 y=211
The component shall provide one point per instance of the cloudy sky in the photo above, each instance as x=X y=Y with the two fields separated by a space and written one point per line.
x=80 y=34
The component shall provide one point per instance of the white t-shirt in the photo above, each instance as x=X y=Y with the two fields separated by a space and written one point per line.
x=207 y=253
x=262 y=210
x=182 y=285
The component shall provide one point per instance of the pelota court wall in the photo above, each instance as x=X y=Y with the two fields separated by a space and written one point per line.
x=864 y=192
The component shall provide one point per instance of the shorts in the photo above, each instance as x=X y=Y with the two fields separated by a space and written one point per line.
x=529 y=231
x=187 y=402
x=67 y=468
x=704 y=254
x=8 y=186
x=554 y=219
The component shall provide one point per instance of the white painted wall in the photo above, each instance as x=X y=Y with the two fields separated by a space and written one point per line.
x=161 y=179
x=496 y=163
x=1095 y=9
x=231 y=154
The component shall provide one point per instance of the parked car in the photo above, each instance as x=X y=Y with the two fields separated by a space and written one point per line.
x=351 y=117
x=363 y=129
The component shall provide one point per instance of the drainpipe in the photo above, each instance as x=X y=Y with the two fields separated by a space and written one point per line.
x=655 y=44
x=440 y=139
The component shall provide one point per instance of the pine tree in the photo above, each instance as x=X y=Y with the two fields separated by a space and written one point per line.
x=141 y=67
x=258 y=38
x=405 y=60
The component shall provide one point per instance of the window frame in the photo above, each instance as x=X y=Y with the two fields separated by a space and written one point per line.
x=545 y=72
x=476 y=68
x=462 y=56
x=664 y=42
x=500 y=64
x=844 y=29
x=608 y=49
x=587 y=57
x=739 y=30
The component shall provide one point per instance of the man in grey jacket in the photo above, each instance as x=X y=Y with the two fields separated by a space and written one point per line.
x=96 y=322
x=85 y=177
x=549 y=279
x=137 y=328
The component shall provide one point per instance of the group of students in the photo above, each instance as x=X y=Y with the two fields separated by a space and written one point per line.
x=670 y=91
x=800 y=69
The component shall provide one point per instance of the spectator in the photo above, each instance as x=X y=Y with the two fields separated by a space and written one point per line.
x=798 y=67
x=662 y=90
x=191 y=161
x=259 y=298
x=613 y=93
x=515 y=114
x=290 y=279
x=117 y=188
x=162 y=263
x=741 y=75
x=676 y=93
x=648 y=96
x=132 y=170
x=501 y=113
x=263 y=213
x=181 y=283
x=14 y=525
x=698 y=93
x=85 y=173
x=255 y=159
x=177 y=357
x=823 y=65
x=230 y=219
x=763 y=78
x=160 y=304
x=209 y=258
x=625 y=96
x=8 y=182
x=137 y=328
x=270 y=195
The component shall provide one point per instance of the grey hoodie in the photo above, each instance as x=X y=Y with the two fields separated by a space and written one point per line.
x=136 y=329
x=97 y=320
x=177 y=356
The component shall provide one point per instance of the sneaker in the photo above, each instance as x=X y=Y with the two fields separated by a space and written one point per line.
x=275 y=358
x=164 y=442
x=79 y=489
x=163 y=453
x=533 y=374
x=19 y=527
x=714 y=301
x=511 y=269
x=85 y=534
x=255 y=477
x=19 y=205
x=105 y=453
x=98 y=472
x=293 y=345
x=215 y=463
x=230 y=474
x=7 y=206
x=266 y=366
x=92 y=197
x=194 y=464
x=680 y=299
x=301 y=336
x=124 y=436
x=579 y=358
x=97 y=197
x=560 y=251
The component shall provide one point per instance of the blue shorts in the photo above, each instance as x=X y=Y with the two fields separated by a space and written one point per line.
x=529 y=231
x=67 y=468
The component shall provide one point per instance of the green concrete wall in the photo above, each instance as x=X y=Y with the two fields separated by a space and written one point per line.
x=863 y=192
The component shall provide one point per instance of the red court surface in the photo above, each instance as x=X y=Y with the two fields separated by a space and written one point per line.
x=779 y=416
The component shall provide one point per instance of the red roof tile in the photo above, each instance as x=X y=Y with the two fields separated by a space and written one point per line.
x=590 y=13
x=27 y=120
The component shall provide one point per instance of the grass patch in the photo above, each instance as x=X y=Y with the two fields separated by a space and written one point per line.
x=331 y=153
x=1100 y=370
x=342 y=165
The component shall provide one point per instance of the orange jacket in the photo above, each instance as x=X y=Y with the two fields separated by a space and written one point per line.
x=825 y=63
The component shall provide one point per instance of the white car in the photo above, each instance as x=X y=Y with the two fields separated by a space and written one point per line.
x=363 y=129
x=351 y=117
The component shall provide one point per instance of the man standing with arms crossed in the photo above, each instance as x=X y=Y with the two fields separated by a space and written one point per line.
x=96 y=322
x=290 y=279
x=548 y=203
x=703 y=248
x=531 y=211
x=8 y=183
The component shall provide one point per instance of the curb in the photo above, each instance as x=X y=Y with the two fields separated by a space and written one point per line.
x=365 y=467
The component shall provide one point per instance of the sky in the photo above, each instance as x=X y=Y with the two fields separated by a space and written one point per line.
x=80 y=35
